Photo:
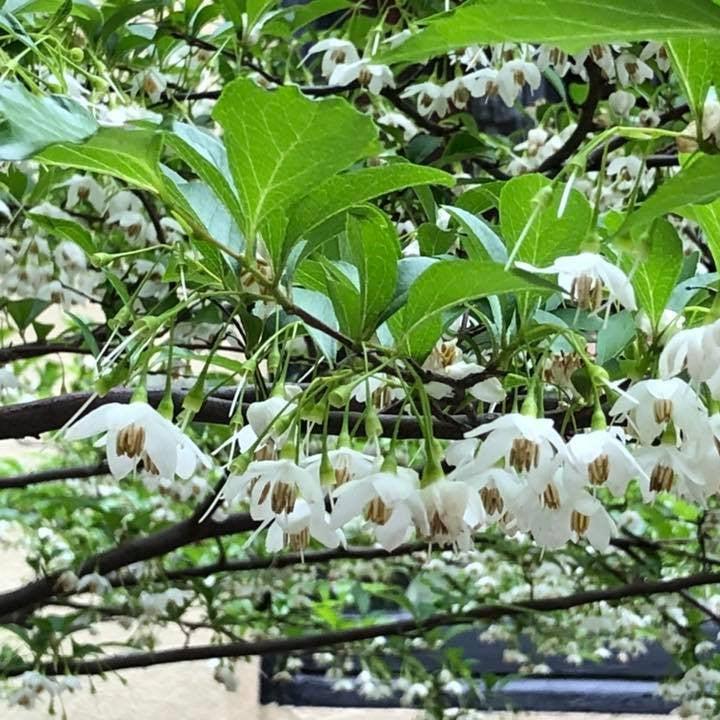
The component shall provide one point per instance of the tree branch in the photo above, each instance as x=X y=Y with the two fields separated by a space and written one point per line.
x=349 y=635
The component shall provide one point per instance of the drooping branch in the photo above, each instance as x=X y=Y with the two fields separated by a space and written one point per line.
x=349 y=635
x=39 y=416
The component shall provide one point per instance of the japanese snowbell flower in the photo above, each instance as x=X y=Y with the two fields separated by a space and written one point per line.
x=626 y=168
x=650 y=405
x=136 y=434
x=621 y=102
x=348 y=464
x=389 y=499
x=84 y=188
x=513 y=75
x=398 y=120
x=554 y=57
x=600 y=457
x=453 y=510
x=431 y=98
x=631 y=70
x=371 y=75
x=585 y=276
x=152 y=82
x=274 y=487
x=525 y=442
x=482 y=83
x=295 y=528
x=698 y=351
x=659 y=52
x=336 y=52
x=497 y=487
x=690 y=471
x=446 y=359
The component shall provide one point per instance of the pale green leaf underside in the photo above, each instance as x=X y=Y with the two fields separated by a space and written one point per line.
x=572 y=24
x=29 y=123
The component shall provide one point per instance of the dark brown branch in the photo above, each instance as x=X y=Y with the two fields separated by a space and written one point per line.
x=39 y=416
x=44 y=476
x=585 y=123
x=349 y=635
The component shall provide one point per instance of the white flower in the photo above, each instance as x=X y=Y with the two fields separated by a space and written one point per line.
x=482 y=83
x=626 y=169
x=473 y=56
x=496 y=486
x=600 y=457
x=70 y=257
x=649 y=405
x=398 y=120
x=690 y=471
x=446 y=359
x=371 y=75
x=347 y=463
x=621 y=102
x=525 y=442
x=336 y=52
x=8 y=381
x=296 y=527
x=93 y=583
x=226 y=676
x=657 y=50
x=669 y=324
x=554 y=57
x=631 y=70
x=513 y=76
x=152 y=82
x=431 y=98
x=453 y=510
x=585 y=276
x=698 y=351
x=390 y=500
x=124 y=114
x=84 y=188
x=274 y=486
x=137 y=434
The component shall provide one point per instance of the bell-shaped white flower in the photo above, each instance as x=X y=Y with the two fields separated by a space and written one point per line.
x=482 y=83
x=549 y=56
x=431 y=98
x=389 y=499
x=336 y=52
x=650 y=405
x=136 y=434
x=371 y=75
x=347 y=464
x=600 y=458
x=273 y=486
x=631 y=70
x=84 y=188
x=621 y=102
x=446 y=359
x=454 y=511
x=497 y=488
x=689 y=470
x=513 y=76
x=659 y=52
x=698 y=351
x=585 y=276
x=525 y=442
x=295 y=528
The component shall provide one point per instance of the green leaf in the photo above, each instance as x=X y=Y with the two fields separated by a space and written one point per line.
x=696 y=62
x=433 y=240
x=658 y=270
x=571 y=24
x=66 y=229
x=206 y=155
x=319 y=306
x=130 y=155
x=342 y=287
x=615 y=334
x=696 y=184
x=374 y=251
x=548 y=237
x=343 y=191
x=29 y=123
x=447 y=284
x=23 y=312
x=708 y=217
x=490 y=245
x=281 y=145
